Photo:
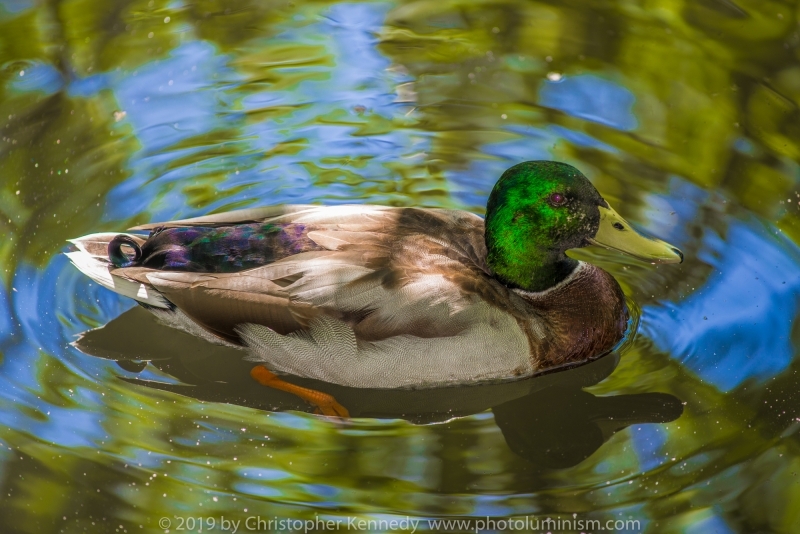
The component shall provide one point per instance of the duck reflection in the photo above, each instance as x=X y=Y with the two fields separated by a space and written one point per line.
x=548 y=419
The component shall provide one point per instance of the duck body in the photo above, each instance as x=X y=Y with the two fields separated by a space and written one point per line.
x=363 y=296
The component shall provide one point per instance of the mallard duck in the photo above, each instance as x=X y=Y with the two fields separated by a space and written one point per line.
x=384 y=297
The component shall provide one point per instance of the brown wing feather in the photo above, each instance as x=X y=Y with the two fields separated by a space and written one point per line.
x=249 y=215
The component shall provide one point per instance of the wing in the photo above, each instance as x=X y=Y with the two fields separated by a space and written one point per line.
x=249 y=215
x=385 y=271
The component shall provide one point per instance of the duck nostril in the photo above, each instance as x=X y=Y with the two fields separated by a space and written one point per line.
x=618 y=226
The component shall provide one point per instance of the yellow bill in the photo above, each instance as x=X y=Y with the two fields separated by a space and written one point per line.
x=617 y=234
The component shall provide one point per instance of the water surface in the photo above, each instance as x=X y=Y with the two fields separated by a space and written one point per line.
x=683 y=114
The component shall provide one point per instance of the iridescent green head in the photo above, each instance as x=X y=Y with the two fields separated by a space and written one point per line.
x=540 y=209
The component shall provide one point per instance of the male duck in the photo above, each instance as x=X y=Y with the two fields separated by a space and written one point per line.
x=383 y=297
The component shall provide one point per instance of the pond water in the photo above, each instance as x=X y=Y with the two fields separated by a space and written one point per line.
x=684 y=114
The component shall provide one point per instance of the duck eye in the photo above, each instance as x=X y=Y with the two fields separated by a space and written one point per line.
x=557 y=199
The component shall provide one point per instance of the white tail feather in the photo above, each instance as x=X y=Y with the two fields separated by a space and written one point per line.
x=99 y=270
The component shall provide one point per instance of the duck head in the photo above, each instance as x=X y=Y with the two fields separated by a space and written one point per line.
x=540 y=209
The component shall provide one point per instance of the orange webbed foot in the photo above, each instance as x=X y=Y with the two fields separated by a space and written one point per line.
x=325 y=404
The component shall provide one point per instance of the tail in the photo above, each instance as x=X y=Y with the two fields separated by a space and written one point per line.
x=99 y=255
x=117 y=257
